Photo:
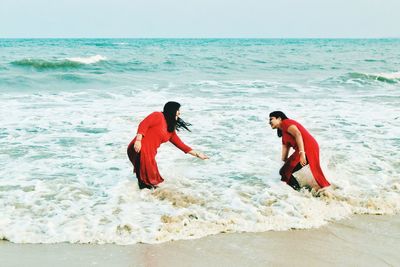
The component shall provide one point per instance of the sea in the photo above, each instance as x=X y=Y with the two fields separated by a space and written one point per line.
x=70 y=107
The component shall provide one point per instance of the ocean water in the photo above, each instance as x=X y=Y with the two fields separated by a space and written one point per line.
x=69 y=108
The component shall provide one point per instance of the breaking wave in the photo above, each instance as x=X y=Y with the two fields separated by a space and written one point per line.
x=393 y=77
x=42 y=64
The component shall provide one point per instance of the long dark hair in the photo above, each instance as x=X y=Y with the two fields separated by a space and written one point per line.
x=170 y=109
x=278 y=114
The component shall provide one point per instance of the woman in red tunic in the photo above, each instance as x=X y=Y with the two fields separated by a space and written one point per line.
x=155 y=129
x=306 y=150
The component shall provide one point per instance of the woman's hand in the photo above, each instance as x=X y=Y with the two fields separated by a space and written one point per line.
x=198 y=154
x=303 y=159
x=202 y=156
x=137 y=146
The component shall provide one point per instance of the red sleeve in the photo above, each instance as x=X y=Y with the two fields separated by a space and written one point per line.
x=284 y=125
x=287 y=138
x=178 y=143
x=148 y=122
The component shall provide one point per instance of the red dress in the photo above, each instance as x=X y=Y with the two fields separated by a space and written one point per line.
x=154 y=131
x=312 y=152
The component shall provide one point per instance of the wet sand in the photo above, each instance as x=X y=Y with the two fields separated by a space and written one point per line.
x=362 y=240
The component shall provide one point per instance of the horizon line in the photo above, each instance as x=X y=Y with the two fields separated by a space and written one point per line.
x=338 y=38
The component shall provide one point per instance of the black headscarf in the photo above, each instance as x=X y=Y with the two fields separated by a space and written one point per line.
x=170 y=109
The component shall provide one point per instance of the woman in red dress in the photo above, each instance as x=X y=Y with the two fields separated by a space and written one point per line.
x=155 y=129
x=295 y=136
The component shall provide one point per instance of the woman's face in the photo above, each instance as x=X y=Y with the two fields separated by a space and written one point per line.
x=275 y=122
x=178 y=113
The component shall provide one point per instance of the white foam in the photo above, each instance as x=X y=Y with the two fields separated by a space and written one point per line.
x=88 y=60
x=306 y=178
x=393 y=75
x=68 y=179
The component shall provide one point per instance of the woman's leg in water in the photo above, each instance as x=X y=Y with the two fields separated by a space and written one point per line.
x=140 y=183
x=135 y=159
x=292 y=180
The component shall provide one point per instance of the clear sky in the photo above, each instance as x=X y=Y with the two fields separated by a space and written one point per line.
x=200 y=18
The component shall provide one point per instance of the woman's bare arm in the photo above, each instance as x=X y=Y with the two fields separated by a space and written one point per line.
x=295 y=132
x=285 y=152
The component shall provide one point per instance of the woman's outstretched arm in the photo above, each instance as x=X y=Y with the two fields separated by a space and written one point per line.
x=186 y=149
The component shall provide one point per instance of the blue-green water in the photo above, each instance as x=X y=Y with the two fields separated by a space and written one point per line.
x=43 y=63
x=69 y=107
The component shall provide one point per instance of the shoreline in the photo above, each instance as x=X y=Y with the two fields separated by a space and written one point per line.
x=361 y=240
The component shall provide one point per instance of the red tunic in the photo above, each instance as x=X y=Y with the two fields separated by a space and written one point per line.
x=154 y=131
x=311 y=148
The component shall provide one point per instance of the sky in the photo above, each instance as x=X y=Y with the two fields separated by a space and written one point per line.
x=199 y=18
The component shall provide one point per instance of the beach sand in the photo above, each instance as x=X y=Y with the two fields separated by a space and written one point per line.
x=362 y=240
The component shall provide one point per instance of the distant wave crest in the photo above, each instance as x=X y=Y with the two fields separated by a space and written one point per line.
x=46 y=64
x=393 y=77
x=42 y=64
x=87 y=60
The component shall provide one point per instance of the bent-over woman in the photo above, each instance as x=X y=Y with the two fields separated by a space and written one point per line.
x=306 y=150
